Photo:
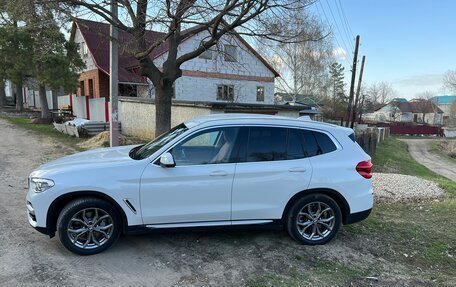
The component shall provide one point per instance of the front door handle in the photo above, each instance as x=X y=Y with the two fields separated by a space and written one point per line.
x=297 y=169
x=219 y=173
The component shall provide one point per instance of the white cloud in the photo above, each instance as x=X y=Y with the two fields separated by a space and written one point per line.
x=421 y=80
x=339 y=54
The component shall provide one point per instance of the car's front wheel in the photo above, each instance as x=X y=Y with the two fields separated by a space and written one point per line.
x=88 y=226
x=314 y=219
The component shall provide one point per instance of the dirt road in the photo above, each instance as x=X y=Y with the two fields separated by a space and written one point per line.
x=419 y=150
x=228 y=258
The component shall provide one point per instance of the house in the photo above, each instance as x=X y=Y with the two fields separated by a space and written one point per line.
x=402 y=110
x=234 y=72
x=448 y=105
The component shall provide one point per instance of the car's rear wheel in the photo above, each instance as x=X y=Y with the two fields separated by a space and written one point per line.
x=314 y=219
x=88 y=226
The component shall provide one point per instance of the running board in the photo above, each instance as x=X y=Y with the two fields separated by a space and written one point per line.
x=208 y=223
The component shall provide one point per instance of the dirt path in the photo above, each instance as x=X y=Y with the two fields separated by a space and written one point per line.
x=228 y=258
x=419 y=149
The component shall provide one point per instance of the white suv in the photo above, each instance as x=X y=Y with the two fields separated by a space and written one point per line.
x=220 y=170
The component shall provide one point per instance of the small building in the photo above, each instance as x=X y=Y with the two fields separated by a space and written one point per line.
x=401 y=110
x=448 y=106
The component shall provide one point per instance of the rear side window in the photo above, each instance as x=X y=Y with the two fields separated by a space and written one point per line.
x=295 y=149
x=310 y=143
x=352 y=137
x=317 y=143
x=267 y=144
x=324 y=142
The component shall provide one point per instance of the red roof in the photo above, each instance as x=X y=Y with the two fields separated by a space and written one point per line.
x=96 y=37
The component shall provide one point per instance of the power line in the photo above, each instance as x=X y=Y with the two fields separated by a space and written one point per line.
x=337 y=27
x=344 y=22
x=335 y=38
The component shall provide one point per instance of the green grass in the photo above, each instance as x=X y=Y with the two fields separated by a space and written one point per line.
x=45 y=130
x=392 y=156
x=436 y=148
x=420 y=238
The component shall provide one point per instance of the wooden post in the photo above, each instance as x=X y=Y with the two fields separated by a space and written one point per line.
x=355 y=105
x=352 y=83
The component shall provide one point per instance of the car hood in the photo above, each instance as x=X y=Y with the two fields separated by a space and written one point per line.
x=87 y=160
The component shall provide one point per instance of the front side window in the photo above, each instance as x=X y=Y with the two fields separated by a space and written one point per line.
x=266 y=144
x=225 y=93
x=207 y=147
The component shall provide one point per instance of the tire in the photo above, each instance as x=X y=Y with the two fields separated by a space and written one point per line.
x=88 y=226
x=302 y=221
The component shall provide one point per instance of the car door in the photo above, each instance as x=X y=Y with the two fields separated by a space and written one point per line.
x=273 y=168
x=198 y=188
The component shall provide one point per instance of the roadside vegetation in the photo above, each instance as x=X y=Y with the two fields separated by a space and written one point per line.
x=45 y=130
x=393 y=157
x=445 y=149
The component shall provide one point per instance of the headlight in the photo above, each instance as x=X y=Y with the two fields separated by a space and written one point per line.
x=41 y=184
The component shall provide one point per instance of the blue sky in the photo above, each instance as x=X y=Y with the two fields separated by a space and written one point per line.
x=410 y=44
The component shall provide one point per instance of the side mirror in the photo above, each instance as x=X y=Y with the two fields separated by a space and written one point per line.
x=167 y=160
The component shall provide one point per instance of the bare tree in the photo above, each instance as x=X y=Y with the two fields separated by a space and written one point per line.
x=180 y=19
x=449 y=80
x=380 y=94
x=302 y=64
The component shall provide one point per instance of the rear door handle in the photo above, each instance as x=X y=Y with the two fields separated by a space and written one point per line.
x=297 y=169
x=219 y=173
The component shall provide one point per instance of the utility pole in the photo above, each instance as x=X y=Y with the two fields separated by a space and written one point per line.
x=355 y=105
x=113 y=79
x=352 y=83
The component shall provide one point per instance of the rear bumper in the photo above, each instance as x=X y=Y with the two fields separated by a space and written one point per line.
x=357 y=217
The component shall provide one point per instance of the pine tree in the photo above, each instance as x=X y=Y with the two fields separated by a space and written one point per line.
x=336 y=72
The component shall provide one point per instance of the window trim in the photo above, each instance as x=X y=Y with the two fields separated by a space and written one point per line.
x=240 y=142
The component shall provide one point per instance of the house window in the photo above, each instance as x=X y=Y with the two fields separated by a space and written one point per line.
x=82 y=88
x=225 y=93
x=230 y=53
x=84 y=49
x=260 y=94
x=91 y=88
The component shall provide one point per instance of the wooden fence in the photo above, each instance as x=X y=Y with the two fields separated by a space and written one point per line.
x=371 y=137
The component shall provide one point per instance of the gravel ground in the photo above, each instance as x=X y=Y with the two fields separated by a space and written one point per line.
x=390 y=187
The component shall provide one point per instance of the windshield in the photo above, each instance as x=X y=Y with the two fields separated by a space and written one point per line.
x=141 y=152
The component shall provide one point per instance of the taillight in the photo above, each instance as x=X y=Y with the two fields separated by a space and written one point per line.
x=364 y=168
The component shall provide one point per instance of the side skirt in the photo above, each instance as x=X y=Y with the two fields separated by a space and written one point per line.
x=205 y=226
